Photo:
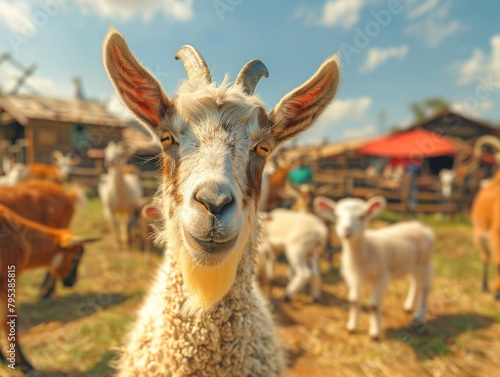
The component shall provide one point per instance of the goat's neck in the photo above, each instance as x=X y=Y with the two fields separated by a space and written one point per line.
x=41 y=254
x=116 y=175
x=354 y=250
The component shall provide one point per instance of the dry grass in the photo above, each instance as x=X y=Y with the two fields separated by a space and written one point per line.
x=74 y=333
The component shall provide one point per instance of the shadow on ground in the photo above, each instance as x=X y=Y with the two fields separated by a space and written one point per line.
x=435 y=337
x=67 y=308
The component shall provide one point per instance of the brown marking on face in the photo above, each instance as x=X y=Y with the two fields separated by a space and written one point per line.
x=167 y=165
x=175 y=196
x=254 y=179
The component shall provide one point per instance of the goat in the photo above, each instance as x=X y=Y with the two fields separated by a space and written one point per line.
x=147 y=214
x=204 y=316
x=485 y=216
x=302 y=196
x=376 y=256
x=302 y=237
x=46 y=203
x=26 y=245
x=58 y=172
x=17 y=173
x=119 y=192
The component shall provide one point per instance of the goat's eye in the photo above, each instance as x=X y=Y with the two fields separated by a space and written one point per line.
x=263 y=148
x=166 y=139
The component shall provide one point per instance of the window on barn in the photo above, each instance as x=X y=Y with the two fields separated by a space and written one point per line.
x=79 y=139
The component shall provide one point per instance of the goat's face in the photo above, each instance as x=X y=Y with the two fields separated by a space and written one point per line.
x=65 y=264
x=216 y=141
x=64 y=162
x=212 y=168
x=115 y=154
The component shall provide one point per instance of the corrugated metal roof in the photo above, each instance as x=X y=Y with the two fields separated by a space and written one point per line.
x=24 y=108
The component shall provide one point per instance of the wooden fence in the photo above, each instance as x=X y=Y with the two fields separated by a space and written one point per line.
x=409 y=195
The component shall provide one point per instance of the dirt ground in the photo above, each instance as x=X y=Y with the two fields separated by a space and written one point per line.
x=77 y=332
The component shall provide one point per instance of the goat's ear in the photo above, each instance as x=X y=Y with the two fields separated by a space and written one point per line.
x=299 y=109
x=375 y=205
x=324 y=208
x=137 y=88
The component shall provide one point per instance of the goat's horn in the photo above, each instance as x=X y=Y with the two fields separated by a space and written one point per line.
x=486 y=140
x=250 y=75
x=193 y=62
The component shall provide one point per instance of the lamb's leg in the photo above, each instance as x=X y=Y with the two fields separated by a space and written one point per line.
x=481 y=244
x=123 y=223
x=409 y=305
x=302 y=275
x=375 y=305
x=298 y=265
x=114 y=226
x=315 y=279
x=424 y=287
x=353 y=297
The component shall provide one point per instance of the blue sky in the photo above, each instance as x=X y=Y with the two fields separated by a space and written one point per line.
x=393 y=52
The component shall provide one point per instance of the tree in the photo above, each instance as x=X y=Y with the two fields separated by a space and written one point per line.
x=428 y=106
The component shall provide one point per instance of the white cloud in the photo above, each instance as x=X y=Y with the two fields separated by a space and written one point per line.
x=181 y=10
x=421 y=8
x=377 y=56
x=480 y=64
x=436 y=27
x=341 y=13
x=349 y=109
x=16 y=15
x=355 y=133
x=335 y=13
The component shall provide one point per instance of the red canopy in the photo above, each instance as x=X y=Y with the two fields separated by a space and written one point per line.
x=411 y=144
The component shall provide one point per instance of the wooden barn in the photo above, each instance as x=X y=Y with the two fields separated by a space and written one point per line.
x=39 y=125
x=453 y=125
x=404 y=166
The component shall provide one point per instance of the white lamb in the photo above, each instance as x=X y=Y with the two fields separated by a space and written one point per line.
x=301 y=236
x=376 y=256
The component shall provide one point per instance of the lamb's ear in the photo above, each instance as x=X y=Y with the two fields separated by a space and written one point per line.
x=375 y=205
x=299 y=109
x=150 y=212
x=137 y=88
x=324 y=208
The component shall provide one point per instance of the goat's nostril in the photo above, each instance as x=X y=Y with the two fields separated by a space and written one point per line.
x=214 y=199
